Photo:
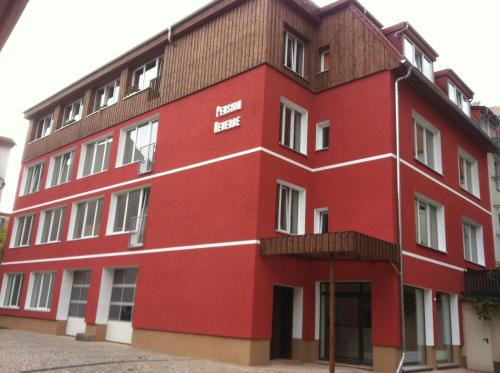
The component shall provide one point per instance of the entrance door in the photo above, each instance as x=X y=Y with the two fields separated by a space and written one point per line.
x=78 y=303
x=281 y=341
x=352 y=324
x=121 y=306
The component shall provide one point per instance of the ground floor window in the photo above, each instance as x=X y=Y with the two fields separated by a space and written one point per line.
x=42 y=285
x=123 y=294
x=13 y=283
x=415 y=325
x=443 y=309
x=353 y=323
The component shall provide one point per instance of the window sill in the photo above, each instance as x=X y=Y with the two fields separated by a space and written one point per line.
x=28 y=194
x=55 y=186
x=321 y=149
x=296 y=74
x=97 y=173
x=9 y=307
x=117 y=233
x=323 y=72
x=470 y=193
x=19 y=247
x=293 y=150
x=474 y=263
x=287 y=233
x=101 y=109
x=47 y=243
x=67 y=125
x=82 y=238
x=35 y=140
x=436 y=171
x=37 y=309
x=444 y=252
x=135 y=93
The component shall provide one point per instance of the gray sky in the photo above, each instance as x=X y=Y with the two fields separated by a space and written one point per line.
x=58 y=41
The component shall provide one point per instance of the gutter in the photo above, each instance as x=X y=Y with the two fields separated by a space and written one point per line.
x=400 y=219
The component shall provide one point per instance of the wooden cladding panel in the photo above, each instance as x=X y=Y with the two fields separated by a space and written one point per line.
x=340 y=245
x=247 y=34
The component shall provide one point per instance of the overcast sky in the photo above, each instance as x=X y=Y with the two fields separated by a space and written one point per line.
x=58 y=41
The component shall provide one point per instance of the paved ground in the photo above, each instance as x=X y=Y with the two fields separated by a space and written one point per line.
x=33 y=353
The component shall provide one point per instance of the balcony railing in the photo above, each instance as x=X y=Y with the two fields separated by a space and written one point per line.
x=482 y=284
x=137 y=229
x=148 y=157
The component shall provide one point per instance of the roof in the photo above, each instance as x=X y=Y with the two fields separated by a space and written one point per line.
x=7 y=141
x=10 y=11
x=495 y=109
x=456 y=79
x=407 y=28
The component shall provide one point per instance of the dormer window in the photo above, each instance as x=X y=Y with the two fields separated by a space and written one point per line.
x=72 y=112
x=43 y=127
x=107 y=95
x=143 y=75
x=458 y=98
x=418 y=59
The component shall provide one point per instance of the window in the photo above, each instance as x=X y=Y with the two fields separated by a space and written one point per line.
x=323 y=135
x=11 y=289
x=429 y=218
x=126 y=208
x=40 y=294
x=136 y=142
x=415 y=322
x=107 y=95
x=294 y=53
x=468 y=173
x=418 y=59
x=143 y=76
x=96 y=157
x=79 y=294
x=458 y=98
x=325 y=59
x=32 y=178
x=73 y=112
x=473 y=241
x=43 y=127
x=321 y=220
x=50 y=227
x=427 y=143
x=293 y=126
x=121 y=306
x=60 y=169
x=23 y=226
x=86 y=219
x=290 y=209
x=496 y=176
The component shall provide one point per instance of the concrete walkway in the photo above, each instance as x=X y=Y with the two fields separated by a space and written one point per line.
x=27 y=352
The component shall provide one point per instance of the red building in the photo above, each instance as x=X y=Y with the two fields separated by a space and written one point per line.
x=191 y=195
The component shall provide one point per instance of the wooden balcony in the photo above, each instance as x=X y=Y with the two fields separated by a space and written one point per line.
x=334 y=245
x=482 y=284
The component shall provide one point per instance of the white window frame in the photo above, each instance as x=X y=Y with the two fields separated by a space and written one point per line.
x=83 y=155
x=153 y=122
x=12 y=296
x=72 y=220
x=158 y=66
x=295 y=40
x=458 y=98
x=322 y=54
x=33 y=188
x=440 y=220
x=106 y=99
x=320 y=134
x=474 y=168
x=479 y=240
x=418 y=59
x=71 y=114
x=51 y=170
x=285 y=103
x=15 y=227
x=301 y=218
x=318 y=214
x=419 y=120
x=46 y=126
x=52 y=225
x=113 y=206
x=39 y=307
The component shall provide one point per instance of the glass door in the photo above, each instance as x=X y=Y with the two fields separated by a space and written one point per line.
x=415 y=326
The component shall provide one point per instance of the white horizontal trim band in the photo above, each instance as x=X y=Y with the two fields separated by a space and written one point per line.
x=136 y=252
x=200 y=164
x=434 y=261
x=444 y=186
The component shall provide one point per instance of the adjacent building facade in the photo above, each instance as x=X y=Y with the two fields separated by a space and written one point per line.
x=191 y=195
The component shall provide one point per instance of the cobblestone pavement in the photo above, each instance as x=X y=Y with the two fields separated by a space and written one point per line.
x=25 y=352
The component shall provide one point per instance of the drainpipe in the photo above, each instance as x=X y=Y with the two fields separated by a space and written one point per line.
x=400 y=223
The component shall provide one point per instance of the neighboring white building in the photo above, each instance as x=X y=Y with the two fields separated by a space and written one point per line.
x=6 y=144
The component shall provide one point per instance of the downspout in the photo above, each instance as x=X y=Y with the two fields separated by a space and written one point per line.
x=400 y=219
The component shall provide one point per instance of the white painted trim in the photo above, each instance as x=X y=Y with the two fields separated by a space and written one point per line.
x=430 y=260
x=475 y=189
x=317 y=218
x=319 y=134
x=64 y=295
x=317 y=309
x=104 y=296
x=142 y=252
x=444 y=186
x=298 y=312
x=441 y=224
x=455 y=320
x=304 y=125
x=301 y=226
x=429 y=318
x=424 y=123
